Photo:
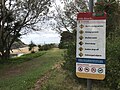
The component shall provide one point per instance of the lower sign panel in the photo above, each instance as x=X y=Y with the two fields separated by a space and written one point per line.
x=90 y=71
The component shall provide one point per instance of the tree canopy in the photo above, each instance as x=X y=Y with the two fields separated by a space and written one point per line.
x=112 y=8
x=66 y=17
x=19 y=17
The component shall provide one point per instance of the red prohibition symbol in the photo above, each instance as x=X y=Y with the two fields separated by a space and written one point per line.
x=80 y=69
x=93 y=70
x=86 y=69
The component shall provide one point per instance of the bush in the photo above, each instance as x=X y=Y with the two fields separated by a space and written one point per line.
x=31 y=47
x=113 y=65
x=112 y=80
x=32 y=51
x=46 y=47
x=69 y=57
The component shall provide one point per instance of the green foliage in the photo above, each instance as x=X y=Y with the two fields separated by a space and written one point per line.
x=69 y=56
x=23 y=58
x=8 y=35
x=112 y=8
x=70 y=62
x=45 y=47
x=112 y=80
x=70 y=59
x=23 y=15
x=31 y=47
x=66 y=38
x=113 y=64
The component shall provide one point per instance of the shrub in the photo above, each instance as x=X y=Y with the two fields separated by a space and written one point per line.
x=113 y=65
x=46 y=47
x=112 y=80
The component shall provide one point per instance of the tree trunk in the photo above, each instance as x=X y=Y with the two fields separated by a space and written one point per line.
x=5 y=55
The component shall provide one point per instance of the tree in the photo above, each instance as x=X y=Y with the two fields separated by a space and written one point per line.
x=31 y=47
x=66 y=17
x=66 y=38
x=112 y=8
x=19 y=17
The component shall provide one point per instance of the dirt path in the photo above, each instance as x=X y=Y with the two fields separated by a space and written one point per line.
x=46 y=77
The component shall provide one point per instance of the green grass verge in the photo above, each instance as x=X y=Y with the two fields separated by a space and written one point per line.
x=63 y=80
x=22 y=58
x=17 y=60
x=23 y=76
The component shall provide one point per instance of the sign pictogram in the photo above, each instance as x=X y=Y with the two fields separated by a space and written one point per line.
x=81 y=37
x=80 y=69
x=81 y=31
x=81 y=54
x=100 y=70
x=81 y=43
x=80 y=48
x=81 y=26
x=86 y=69
x=93 y=69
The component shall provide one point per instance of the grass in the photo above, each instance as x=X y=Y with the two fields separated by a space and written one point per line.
x=22 y=75
x=62 y=80
x=23 y=58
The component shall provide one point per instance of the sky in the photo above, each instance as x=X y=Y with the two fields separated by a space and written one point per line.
x=46 y=36
x=41 y=37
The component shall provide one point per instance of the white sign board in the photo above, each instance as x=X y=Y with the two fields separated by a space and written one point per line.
x=91 y=45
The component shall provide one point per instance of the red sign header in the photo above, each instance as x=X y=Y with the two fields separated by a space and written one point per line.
x=90 y=16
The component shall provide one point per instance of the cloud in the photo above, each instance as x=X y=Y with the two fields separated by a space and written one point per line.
x=41 y=37
x=47 y=35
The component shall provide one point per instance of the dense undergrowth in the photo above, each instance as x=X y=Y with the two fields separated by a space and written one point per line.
x=112 y=80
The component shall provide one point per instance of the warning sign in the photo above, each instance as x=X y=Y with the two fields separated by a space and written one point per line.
x=91 y=43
